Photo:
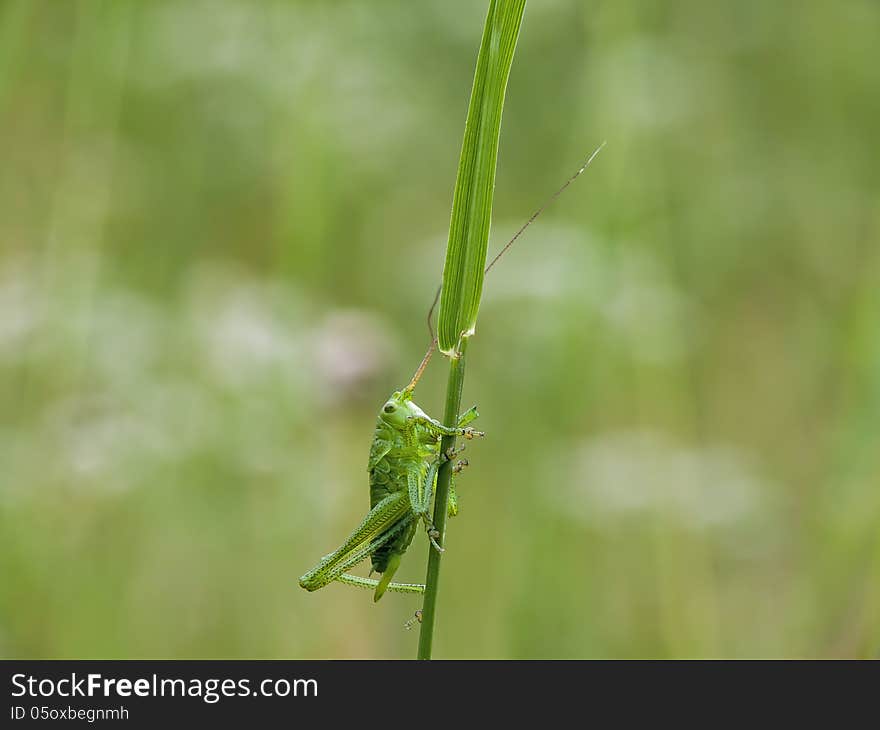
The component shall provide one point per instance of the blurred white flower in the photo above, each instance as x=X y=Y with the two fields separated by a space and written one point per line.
x=645 y=309
x=216 y=42
x=649 y=88
x=127 y=337
x=633 y=472
x=20 y=309
x=249 y=331
x=627 y=289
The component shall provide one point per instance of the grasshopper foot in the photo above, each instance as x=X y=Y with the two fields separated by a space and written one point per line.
x=452 y=452
x=417 y=618
x=433 y=534
x=469 y=433
x=459 y=465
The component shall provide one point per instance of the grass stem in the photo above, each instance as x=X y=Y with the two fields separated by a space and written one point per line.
x=432 y=578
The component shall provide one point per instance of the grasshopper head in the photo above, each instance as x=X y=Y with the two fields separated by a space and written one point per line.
x=398 y=408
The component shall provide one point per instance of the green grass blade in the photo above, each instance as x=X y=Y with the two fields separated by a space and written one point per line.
x=475 y=183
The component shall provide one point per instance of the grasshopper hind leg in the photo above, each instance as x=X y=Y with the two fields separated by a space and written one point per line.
x=382 y=525
x=371 y=584
x=387 y=558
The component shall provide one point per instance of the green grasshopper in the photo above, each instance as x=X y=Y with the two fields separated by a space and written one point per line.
x=404 y=460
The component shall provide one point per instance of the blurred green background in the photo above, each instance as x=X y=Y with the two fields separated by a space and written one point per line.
x=221 y=226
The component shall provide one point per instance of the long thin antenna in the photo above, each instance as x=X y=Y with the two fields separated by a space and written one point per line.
x=541 y=209
x=421 y=369
x=512 y=240
x=431 y=313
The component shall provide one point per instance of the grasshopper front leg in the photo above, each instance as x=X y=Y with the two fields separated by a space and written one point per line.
x=452 y=502
x=463 y=420
x=422 y=499
x=435 y=428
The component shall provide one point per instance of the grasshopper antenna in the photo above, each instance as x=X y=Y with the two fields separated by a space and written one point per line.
x=431 y=314
x=427 y=358
x=544 y=206
x=421 y=369
x=503 y=251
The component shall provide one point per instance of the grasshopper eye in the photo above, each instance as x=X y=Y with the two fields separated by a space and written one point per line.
x=389 y=408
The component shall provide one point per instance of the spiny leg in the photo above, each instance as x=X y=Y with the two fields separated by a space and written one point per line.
x=417 y=617
x=387 y=558
x=430 y=482
x=326 y=576
x=433 y=534
x=471 y=414
x=449 y=455
x=452 y=452
x=421 y=495
x=371 y=583
x=437 y=429
x=434 y=427
x=381 y=524
x=452 y=501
